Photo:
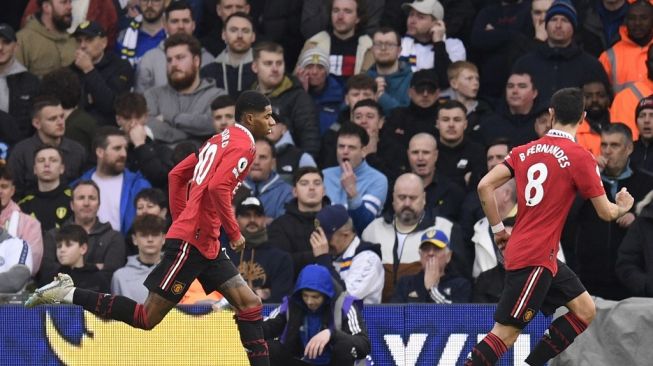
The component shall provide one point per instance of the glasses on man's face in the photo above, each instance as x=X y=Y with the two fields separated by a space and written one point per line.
x=384 y=45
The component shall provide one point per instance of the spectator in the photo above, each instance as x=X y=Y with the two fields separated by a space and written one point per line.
x=266 y=269
x=464 y=84
x=180 y=110
x=354 y=183
x=72 y=245
x=317 y=16
x=289 y=157
x=223 y=111
x=346 y=44
x=232 y=68
x=639 y=158
x=488 y=271
x=514 y=119
x=392 y=75
x=437 y=282
x=16 y=267
x=44 y=43
x=499 y=29
x=400 y=233
x=151 y=71
x=354 y=263
x=597 y=242
x=144 y=154
x=292 y=230
x=106 y=247
x=48 y=119
x=624 y=105
x=148 y=236
x=297 y=329
x=289 y=100
x=18 y=224
x=103 y=74
x=600 y=28
x=597 y=115
x=405 y=122
x=625 y=61
x=425 y=45
x=538 y=17
x=65 y=84
x=443 y=197
x=459 y=159
x=325 y=89
x=213 y=41
x=118 y=185
x=151 y=201
x=559 y=63
x=143 y=33
x=17 y=85
x=634 y=262
x=50 y=202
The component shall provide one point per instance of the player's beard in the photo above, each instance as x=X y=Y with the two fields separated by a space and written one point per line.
x=182 y=82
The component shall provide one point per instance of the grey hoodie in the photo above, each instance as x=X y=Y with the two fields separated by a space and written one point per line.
x=185 y=116
x=128 y=280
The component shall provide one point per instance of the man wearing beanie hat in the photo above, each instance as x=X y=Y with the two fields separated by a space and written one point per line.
x=349 y=49
x=356 y=263
x=560 y=63
x=644 y=146
x=325 y=89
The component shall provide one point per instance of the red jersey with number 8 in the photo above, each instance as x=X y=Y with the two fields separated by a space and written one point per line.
x=548 y=173
x=201 y=189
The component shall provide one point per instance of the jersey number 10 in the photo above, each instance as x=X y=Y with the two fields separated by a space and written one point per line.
x=204 y=163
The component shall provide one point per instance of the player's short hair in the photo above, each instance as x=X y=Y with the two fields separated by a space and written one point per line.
x=369 y=103
x=250 y=101
x=86 y=182
x=42 y=101
x=72 y=232
x=154 y=195
x=273 y=151
x=303 y=171
x=457 y=67
x=63 y=83
x=361 y=82
x=130 y=104
x=452 y=104
x=47 y=147
x=568 y=105
x=149 y=224
x=102 y=135
x=266 y=46
x=352 y=129
x=239 y=14
x=181 y=39
x=620 y=128
x=222 y=101
x=177 y=5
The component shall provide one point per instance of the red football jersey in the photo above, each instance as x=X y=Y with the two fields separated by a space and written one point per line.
x=548 y=173
x=201 y=189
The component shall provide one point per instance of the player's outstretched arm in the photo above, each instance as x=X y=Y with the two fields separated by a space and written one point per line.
x=609 y=211
x=496 y=177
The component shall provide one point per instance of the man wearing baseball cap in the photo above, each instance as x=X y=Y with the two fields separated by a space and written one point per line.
x=354 y=263
x=437 y=282
x=17 y=88
x=643 y=146
x=104 y=75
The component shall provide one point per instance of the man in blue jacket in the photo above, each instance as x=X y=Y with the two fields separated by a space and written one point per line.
x=118 y=185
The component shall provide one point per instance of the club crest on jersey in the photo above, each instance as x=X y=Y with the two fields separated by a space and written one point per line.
x=177 y=288
x=528 y=315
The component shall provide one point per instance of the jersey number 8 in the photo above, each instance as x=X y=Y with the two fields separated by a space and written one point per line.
x=205 y=160
x=534 y=185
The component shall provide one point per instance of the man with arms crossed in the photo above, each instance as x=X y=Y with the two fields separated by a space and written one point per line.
x=548 y=172
x=192 y=249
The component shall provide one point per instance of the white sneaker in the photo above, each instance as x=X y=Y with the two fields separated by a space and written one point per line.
x=51 y=293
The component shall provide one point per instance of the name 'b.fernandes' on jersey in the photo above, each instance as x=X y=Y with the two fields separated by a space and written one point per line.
x=201 y=189
x=548 y=173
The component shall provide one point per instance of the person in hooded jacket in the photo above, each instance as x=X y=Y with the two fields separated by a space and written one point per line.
x=316 y=325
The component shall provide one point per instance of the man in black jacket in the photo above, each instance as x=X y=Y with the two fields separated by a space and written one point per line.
x=635 y=256
x=103 y=74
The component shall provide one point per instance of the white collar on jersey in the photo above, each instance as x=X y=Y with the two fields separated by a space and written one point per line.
x=557 y=133
x=246 y=131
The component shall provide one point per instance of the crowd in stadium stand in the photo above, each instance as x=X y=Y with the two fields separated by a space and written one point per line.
x=388 y=114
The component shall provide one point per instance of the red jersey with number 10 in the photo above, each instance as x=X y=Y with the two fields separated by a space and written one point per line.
x=201 y=189
x=548 y=173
